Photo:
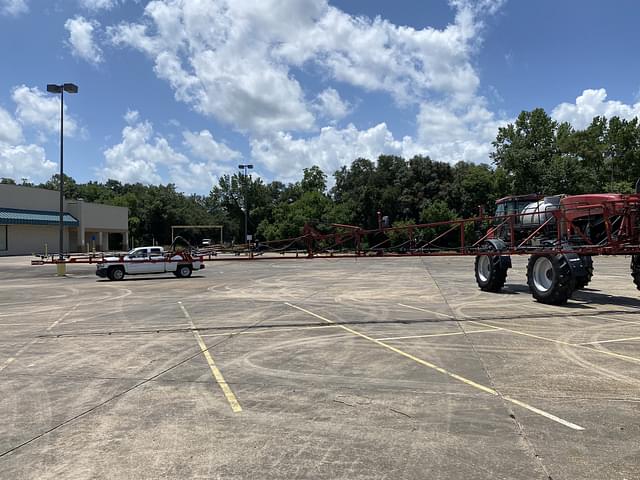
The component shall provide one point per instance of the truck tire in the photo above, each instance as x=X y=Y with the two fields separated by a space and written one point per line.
x=550 y=279
x=491 y=270
x=587 y=265
x=635 y=269
x=183 y=271
x=116 y=273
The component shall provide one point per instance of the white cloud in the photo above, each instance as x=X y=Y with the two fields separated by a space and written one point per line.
x=95 y=5
x=147 y=157
x=203 y=146
x=13 y=7
x=137 y=157
x=234 y=60
x=450 y=134
x=331 y=149
x=17 y=159
x=216 y=156
x=25 y=161
x=331 y=106
x=237 y=62
x=81 y=40
x=378 y=55
x=132 y=116
x=590 y=104
x=445 y=132
x=41 y=110
x=217 y=66
x=10 y=129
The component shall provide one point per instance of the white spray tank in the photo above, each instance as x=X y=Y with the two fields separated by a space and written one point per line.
x=536 y=213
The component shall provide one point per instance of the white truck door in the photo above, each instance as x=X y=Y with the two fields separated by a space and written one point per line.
x=158 y=262
x=137 y=262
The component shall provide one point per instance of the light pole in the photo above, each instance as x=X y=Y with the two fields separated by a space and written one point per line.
x=245 y=167
x=69 y=88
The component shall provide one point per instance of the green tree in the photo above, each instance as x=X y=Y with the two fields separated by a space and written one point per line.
x=525 y=150
x=290 y=218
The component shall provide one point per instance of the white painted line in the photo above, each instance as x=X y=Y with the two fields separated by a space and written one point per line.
x=35 y=340
x=613 y=319
x=446 y=372
x=610 y=341
x=428 y=311
x=269 y=330
x=546 y=339
x=439 y=334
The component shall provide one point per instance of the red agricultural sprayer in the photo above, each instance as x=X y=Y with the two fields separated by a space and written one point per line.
x=560 y=234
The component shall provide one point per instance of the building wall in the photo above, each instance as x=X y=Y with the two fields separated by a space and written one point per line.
x=94 y=216
x=27 y=198
x=28 y=239
x=96 y=221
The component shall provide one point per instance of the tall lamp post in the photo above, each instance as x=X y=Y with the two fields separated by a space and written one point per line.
x=69 y=88
x=245 y=167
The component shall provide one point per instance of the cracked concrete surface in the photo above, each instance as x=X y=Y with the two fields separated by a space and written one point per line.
x=343 y=369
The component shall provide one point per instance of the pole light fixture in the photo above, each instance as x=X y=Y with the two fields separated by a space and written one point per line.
x=69 y=88
x=245 y=167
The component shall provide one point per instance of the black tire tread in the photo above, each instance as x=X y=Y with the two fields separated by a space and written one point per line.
x=564 y=287
x=587 y=264
x=179 y=275
x=110 y=273
x=635 y=268
x=498 y=273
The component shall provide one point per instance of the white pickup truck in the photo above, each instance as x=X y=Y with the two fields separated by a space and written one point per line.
x=148 y=260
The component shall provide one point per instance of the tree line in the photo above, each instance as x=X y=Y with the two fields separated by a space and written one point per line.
x=535 y=154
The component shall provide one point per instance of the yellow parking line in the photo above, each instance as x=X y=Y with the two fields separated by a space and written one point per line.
x=217 y=374
x=439 y=334
x=444 y=371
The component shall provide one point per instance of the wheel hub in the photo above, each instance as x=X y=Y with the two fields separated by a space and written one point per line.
x=484 y=268
x=543 y=274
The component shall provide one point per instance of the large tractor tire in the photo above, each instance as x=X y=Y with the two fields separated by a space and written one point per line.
x=635 y=268
x=491 y=270
x=587 y=267
x=550 y=278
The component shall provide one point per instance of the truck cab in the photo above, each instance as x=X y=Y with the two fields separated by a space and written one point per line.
x=145 y=252
x=147 y=260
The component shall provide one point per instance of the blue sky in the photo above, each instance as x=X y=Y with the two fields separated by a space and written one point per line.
x=182 y=91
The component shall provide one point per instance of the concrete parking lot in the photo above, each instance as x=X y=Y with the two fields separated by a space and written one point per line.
x=337 y=369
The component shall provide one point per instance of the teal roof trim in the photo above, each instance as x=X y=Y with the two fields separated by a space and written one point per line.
x=14 y=216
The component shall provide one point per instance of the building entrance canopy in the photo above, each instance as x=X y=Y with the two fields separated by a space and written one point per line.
x=14 y=216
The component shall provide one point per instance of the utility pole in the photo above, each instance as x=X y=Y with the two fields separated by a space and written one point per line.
x=245 y=167
x=69 y=88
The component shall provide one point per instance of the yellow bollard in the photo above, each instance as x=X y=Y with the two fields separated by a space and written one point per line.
x=61 y=269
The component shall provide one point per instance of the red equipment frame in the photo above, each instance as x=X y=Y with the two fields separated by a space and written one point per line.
x=620 y=215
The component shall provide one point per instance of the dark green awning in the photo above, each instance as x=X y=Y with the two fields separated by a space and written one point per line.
x=13 y=216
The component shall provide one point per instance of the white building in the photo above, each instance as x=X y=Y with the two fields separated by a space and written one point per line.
x=29 y=223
